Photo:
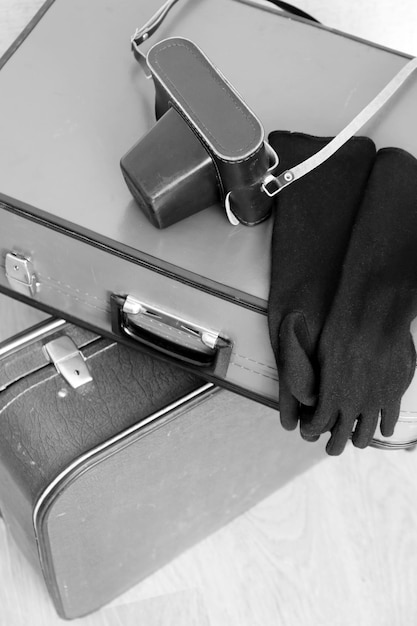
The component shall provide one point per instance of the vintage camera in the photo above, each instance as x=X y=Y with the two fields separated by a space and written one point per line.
x=206 y=147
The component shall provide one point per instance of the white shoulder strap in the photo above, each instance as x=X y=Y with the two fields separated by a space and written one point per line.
x=273 y=184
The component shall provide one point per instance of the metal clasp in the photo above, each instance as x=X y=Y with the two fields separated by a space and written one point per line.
x=273 y=184
x=21 y=274
x=274 y=162
x=68 y=360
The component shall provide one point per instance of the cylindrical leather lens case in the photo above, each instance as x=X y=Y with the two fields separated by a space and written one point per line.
x=206 y=146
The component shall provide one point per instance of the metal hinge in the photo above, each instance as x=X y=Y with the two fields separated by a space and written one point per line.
x=68 y=360
x=21 y=274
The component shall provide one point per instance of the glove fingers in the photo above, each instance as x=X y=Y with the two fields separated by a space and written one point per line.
x=306 y=414
x=295 y=366
x=310 y=438
x=341 y=433
x=322 y=420
x=288 y=407
x=365 y=429
x=389 y=418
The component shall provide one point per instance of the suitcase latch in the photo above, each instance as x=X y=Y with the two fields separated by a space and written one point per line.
x=69 y=361
x=21 y=274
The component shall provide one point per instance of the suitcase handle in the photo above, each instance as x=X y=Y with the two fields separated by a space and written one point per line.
x=175 y=338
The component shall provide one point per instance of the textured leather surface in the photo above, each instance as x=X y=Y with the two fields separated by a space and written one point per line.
x=29 y=356
x=45 y=424
x=185 y=79
x=215 y=110
x=169 y=172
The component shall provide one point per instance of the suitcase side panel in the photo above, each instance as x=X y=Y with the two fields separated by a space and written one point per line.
x=157 y=493
x=66 y=286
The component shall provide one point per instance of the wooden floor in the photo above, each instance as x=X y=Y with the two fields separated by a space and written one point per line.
x=336 y=547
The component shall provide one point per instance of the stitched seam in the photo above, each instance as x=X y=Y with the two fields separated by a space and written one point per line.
x=180 y=333
x=60 y=287
x=220 y=83
x=151 y=321
x=247 y=369
x=183 y=334
x=246 y=358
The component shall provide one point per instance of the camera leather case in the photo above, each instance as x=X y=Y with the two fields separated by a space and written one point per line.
x=206 y=146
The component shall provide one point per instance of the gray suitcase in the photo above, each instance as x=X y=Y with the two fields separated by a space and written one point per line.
x=113 y=462
x=72 y=240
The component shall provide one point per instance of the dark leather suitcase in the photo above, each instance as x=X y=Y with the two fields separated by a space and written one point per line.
x=73 y=241
x=113 y=462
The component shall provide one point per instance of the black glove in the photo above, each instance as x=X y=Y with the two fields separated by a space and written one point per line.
x=313 y=223
x=366 y=353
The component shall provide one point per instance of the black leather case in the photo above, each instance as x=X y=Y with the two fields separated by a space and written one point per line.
x=104 y=480
x=208 y=144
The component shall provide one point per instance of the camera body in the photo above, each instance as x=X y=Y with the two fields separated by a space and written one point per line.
x=206 y=147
